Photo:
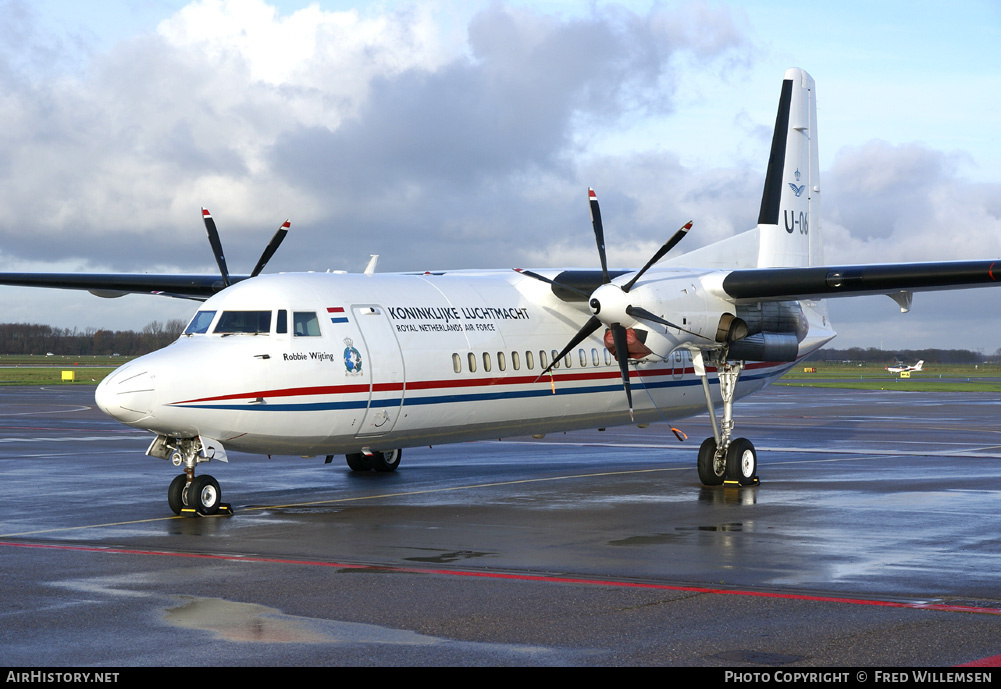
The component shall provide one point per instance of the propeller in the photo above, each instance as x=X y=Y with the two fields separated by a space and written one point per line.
x=271 y=248
x=614 y=296
x=220 y=257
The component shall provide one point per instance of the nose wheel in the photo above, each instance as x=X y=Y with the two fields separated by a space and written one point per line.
x=199 y=497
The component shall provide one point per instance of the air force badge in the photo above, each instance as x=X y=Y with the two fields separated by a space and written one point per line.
x=352 y=358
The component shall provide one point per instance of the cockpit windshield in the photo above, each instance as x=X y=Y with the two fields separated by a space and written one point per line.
x=200 y=323
x=244 y=323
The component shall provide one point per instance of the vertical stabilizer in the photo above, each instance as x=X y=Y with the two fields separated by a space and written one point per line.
x=789 y=220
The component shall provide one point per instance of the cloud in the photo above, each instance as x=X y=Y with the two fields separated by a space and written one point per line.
x=459 y=153
x=908 y=203
x=436 y=151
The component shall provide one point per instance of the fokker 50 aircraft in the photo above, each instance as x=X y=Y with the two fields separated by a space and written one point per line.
x=368 y=364
x=903 y=368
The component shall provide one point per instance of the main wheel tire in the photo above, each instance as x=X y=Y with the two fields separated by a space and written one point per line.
x=387 y=461
x=204 y=494
x=707 y=464
x=175 y=493
x=741 y=462
x=358 y=462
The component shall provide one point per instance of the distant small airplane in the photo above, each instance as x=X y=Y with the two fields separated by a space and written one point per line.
x=904 y=368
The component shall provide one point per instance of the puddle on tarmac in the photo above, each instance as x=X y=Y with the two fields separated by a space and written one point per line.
x=252 y=623
x=249 y=622
x=443 y=558
x=681 y=534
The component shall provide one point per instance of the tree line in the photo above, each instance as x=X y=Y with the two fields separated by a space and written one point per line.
x=29 y=338
x=876 y=355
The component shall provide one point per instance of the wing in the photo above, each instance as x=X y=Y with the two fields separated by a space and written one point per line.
x=821 y=282
x=197 y=287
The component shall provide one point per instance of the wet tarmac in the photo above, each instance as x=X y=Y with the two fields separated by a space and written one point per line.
x=873 y=539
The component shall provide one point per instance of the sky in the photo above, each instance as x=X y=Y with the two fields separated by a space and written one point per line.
x=447 y=135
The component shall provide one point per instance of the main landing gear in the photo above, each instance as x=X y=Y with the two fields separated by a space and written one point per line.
x=374 y=461
x=188 y=494
x=722 y=458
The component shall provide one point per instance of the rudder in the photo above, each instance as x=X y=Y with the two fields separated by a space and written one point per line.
x=789 y=219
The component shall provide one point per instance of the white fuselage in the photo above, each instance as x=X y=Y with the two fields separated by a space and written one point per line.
x=399 y=361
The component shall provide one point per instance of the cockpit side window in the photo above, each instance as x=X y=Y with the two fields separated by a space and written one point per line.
x=281 y=327
x=305 y=324
x=244 y=323
x=200 y=323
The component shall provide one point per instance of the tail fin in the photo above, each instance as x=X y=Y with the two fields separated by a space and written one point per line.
x=917 y=367
x=789 y=220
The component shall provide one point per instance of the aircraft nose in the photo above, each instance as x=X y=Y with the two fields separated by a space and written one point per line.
x=127 y=394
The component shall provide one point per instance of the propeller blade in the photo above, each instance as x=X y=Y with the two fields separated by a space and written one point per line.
x=271 y=248
x=622 y=354
x=639 y=312
x=668 y=245
x=592 y=324
x=551 y=282
x=599 y=233
x=220 y=258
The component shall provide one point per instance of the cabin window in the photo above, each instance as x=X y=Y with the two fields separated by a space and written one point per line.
x=608 y=357
x=456 y=363
x=281 y=327
x=472 y=362
x=582 y=355
x=516 y=361
x=543 y=359
x=244 y=323
x=486 y=361
x=556 y=359
x=594 y=357
x=305 y=324
x=529 y=360
x=200 y=323
x=501 y=361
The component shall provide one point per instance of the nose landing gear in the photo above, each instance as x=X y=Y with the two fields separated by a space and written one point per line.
x=191 y=495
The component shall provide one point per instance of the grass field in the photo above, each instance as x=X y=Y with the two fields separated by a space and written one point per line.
x=934 y=378
x=47 y=370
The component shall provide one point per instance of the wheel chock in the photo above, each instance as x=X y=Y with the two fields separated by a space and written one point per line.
x=225 y=510
x=730 y=483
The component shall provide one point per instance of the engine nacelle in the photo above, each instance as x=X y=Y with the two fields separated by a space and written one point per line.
x=765 y=347
x=775 y=317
